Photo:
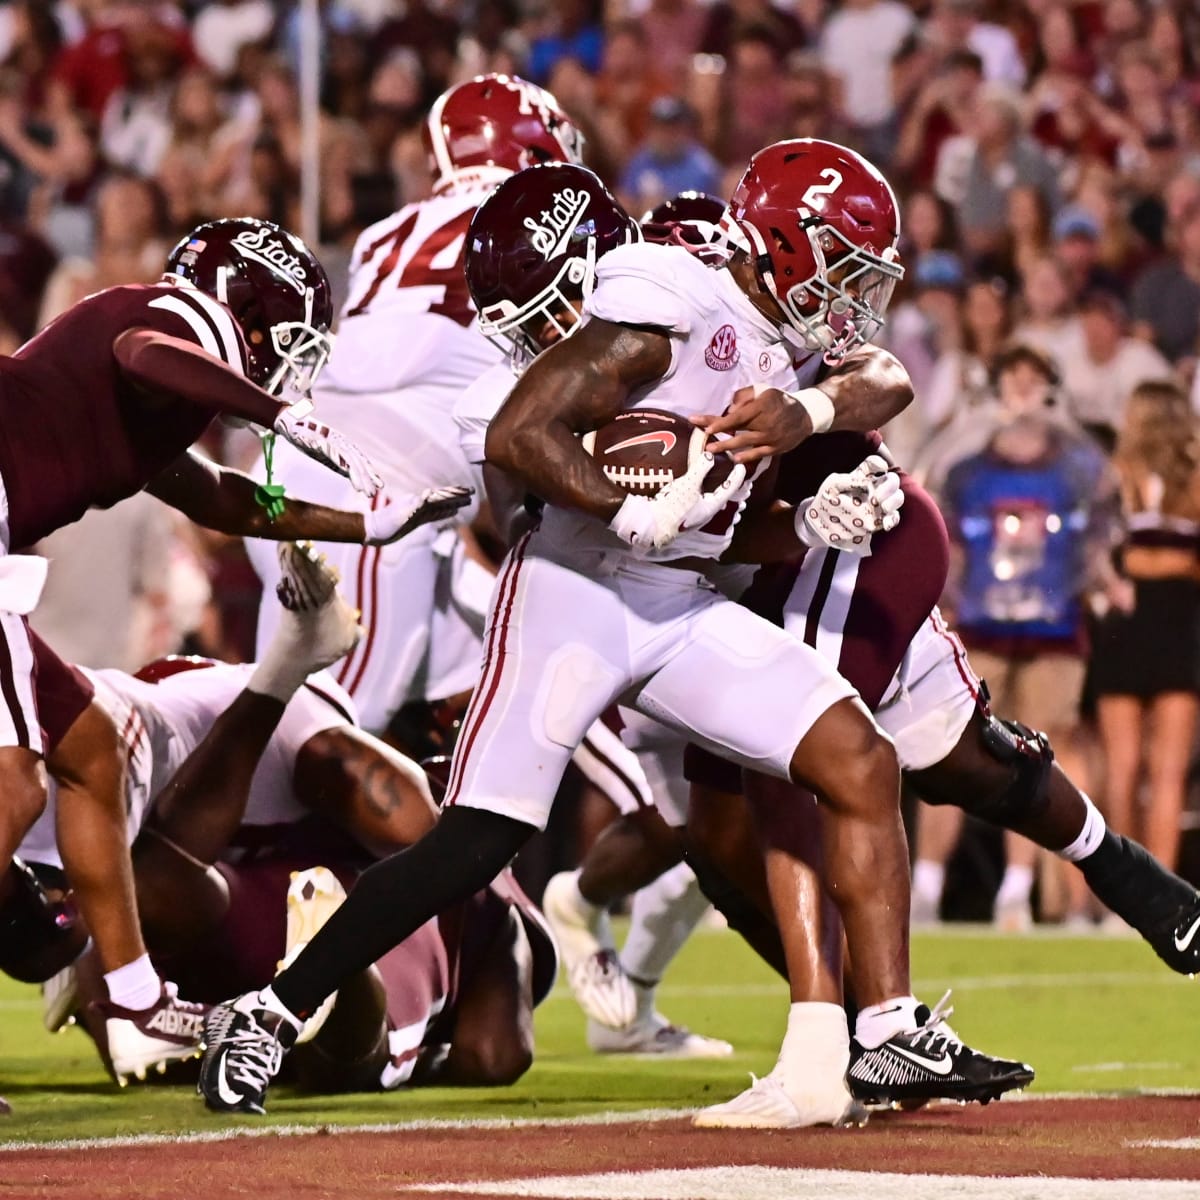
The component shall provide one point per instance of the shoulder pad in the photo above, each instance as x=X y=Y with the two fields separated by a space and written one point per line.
x=646 y=284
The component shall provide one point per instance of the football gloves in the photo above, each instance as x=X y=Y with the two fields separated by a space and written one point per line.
x=849 y=508
x=403 y=514
x=654 y=522
x=328 y=447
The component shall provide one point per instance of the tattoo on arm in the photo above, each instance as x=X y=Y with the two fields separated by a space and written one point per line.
x=577 y=385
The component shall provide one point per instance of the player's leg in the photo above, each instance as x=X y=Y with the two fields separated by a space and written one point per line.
x=392 y=587
x=1121 y=720
x=542 y=686
x=957 y=752
x=1172 y=720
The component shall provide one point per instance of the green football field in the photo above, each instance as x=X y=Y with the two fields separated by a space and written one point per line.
x=1092 y=1014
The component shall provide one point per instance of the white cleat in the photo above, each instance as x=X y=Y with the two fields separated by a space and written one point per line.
x=321 y=625
x=655 y=1037
x=60 y=999
x=141 y=1040
x=766 y=1105
x=313 y=897
x=603 y=990
x=594 y=973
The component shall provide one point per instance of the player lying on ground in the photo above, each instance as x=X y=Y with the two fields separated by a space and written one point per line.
x=142 y=371
x=601 y=600
x=246 y=777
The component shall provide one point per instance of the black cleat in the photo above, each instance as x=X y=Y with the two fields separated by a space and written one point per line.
x=244 y=1045
x=1177 y=942
x=930 y=1064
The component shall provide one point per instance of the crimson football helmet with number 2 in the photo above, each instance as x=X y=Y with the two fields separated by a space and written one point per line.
x=821 y=225
x=483 y=130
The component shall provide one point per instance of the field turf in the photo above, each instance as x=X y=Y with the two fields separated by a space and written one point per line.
x=1092 y=1014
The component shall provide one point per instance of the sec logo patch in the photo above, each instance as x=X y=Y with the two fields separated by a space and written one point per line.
x=722 y=353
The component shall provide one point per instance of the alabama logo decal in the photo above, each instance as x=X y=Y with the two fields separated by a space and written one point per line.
x=722 y=353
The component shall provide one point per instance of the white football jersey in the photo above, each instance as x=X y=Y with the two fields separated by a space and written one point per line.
x=408 y=343
x=161 y=723
x=720 y=343
x=474 y=411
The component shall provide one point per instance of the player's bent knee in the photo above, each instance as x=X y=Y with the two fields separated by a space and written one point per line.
x=492 y=1063
x=999 y=772
x=846 y=759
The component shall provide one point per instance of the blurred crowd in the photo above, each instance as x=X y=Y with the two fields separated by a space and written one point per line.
x=1047 y=158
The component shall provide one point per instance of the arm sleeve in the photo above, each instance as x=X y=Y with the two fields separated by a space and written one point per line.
x=189 y=314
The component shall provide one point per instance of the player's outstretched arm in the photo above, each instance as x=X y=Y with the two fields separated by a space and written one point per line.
x=576 y=385
x=167 y=366
x=864 y=391
x=222 y=499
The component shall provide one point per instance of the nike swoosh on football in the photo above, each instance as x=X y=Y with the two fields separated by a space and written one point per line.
x=665 y=436
x=939 y=1066
x=223 y=1089
x=1182 y=943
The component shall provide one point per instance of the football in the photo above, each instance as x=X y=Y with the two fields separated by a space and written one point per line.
x=644 y=449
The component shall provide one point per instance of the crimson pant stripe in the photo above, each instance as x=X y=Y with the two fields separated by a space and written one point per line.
x=493 y=667
x=960 y=655
x=820 y=595
x=631 y=787
x=360 y=602
x=372 y=624
x=8 y=685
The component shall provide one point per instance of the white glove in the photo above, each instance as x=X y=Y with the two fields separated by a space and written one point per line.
x=330 y=448
x=850 y=507
x=654 y=522
x=406 y=513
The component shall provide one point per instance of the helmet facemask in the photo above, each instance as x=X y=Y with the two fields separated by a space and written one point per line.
x=844 y=303
x=302 y=350
x=513 y=329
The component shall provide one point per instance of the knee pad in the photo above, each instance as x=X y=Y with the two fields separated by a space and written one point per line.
x=1026 y=756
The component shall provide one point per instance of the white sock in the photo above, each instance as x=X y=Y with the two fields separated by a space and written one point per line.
x=594 y=916
x=283 y=667
x=928 y=879
x=646 y=994
x=136 y=985
x=1090 y=836
x=1015 y=886
x=662 y=917
x=816 y=1047
x=880 y=1021
x=272 y=1003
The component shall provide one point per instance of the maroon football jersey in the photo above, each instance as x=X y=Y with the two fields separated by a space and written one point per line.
x=803 y=470
x=74 y=433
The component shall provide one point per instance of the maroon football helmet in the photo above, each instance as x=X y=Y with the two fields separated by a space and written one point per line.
x=691 y=220
x=39 y=935
x=483 y=130
x=821 y=226
x=276 y=290
x=532 y=247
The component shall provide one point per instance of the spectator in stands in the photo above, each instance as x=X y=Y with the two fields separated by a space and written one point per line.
x=1166 y=295
x=728 y=19
x=858 y=44
x=575 y=32
x=628 y=84
x=1031 y=520
x=755 y=108
x=1048 y=320
x=961 y=377
x=939 y=112
x=958 y=25
x=1146 y=659
x=1105 y=366
x=812 y=108
x=1142 y=90
x=928 y=224
x=675 y=28
x=223 y=27
x=669 y=161
x=130 y=245
x=1001 y=157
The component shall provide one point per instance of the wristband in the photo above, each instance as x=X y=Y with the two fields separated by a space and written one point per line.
x=818 y=406
x=803 y=529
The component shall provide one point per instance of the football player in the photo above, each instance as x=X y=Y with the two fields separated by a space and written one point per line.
x=224 y=772
x=107 y=400
x=603 y=600
x=407 y=347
